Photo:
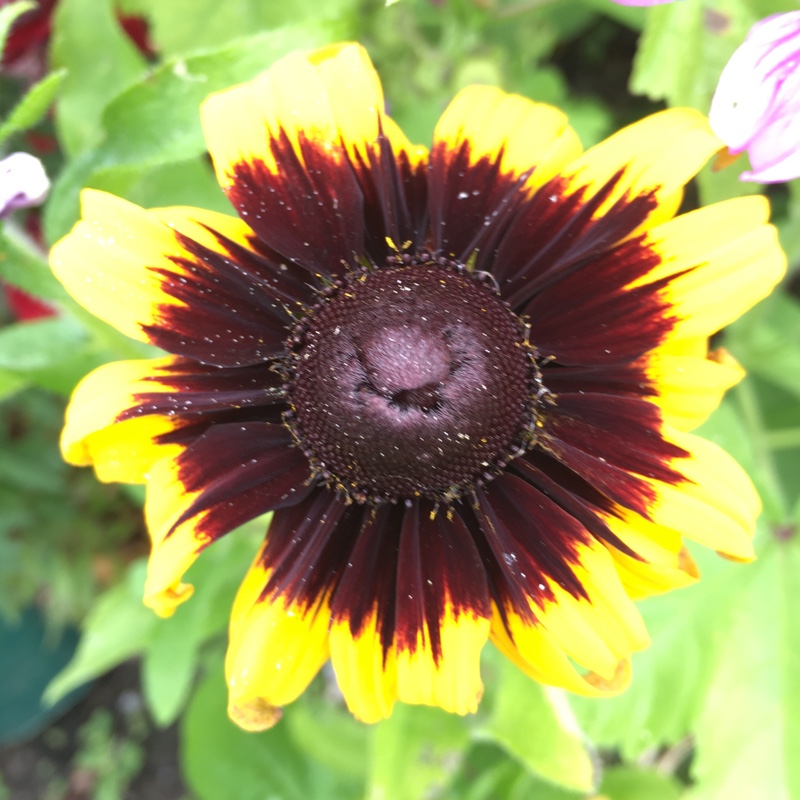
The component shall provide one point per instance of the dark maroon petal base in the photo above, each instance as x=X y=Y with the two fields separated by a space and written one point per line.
x=241 y=472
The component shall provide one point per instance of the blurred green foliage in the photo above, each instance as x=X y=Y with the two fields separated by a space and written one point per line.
x=714 y=709
x=61 y=533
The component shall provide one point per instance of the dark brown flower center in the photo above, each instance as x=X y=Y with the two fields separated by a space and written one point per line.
x=412 y=379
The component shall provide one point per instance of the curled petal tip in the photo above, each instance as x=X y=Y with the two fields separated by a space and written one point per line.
x=617 y=683
x=254 y=715
x=165 y=601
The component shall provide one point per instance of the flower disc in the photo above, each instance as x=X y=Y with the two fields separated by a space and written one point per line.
x=411 y=380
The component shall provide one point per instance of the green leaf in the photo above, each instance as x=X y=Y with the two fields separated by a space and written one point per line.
x=118 y=627
x=718 y=186
x=739 y=428
x=788 y=568
x=27 y=346
x=330 y=734
x=170 y=659
x=62 y=209
x=759 y=340
x=684 y=47
x=32 y=108
x=62 y=377
x=490 y=773
x=222 y=762
x=766 y=410
x=768 y=399
x=670 y=678
x=181 y=183
x=723 y=666
x=11 y=383
x=670 y=52
x=763 y=8
x=748 y=732
x=636 y=783
x=536 y=725
x=185 y=26
x=630 y=16
x=156 y=121
x=219 y=573
x=415 y=753
x=23 y=266
x=100 y=60
x=789 y=222
x=9 y=15
x=590 y=119
x=724 y=427
x=169 y=663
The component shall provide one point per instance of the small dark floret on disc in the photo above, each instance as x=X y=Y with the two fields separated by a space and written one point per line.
x=413 y=379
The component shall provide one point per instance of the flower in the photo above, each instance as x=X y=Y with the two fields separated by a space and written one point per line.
x=23 y=183
x=756 y=106
x=461 y=379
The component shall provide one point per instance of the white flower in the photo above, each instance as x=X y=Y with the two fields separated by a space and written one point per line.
x=23 y=183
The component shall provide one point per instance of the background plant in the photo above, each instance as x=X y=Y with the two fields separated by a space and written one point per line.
x=714 y=709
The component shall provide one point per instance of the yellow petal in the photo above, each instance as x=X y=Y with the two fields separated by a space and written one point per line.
x=454 y=682
x=657 y=155
x=599 y=632
x=224 y=478
x=535 y=652
x=366 y=674
x=691 y=387
x=276 y=648
x=515 y=132
x=663 y=563
x=724 y=259
x=331 y=98
x=109 y=262
x=716 y=505
x=195 y=223
x=172 y=552
x=120 y=451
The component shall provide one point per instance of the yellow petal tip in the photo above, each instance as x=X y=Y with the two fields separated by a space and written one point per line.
x=739 y=558
x=617 y=683
x=255 y=715
x=165 y=601
x=687 y=564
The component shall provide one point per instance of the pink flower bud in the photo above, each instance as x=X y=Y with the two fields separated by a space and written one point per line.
x=23 y=183
x=757 y=103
